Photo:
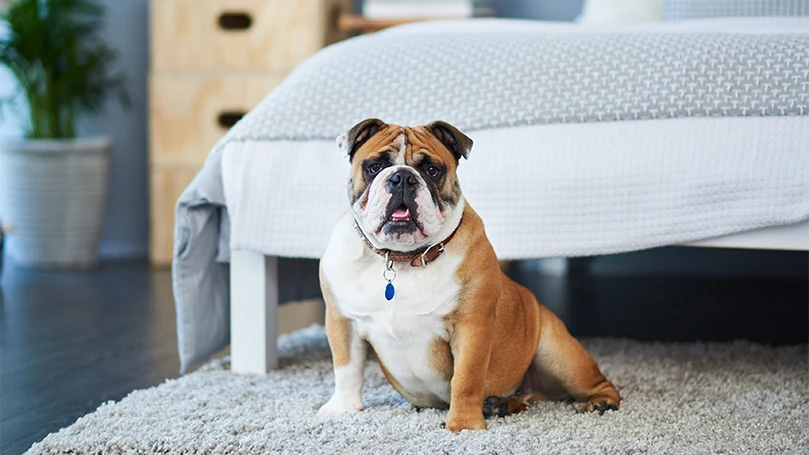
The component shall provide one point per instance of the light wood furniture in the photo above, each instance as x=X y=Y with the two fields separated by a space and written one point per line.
x=352 y=22
x=211 y=62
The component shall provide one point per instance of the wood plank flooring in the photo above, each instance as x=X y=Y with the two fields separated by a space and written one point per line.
x=71 y=341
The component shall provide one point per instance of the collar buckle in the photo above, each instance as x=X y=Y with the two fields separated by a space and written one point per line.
x=424 y=254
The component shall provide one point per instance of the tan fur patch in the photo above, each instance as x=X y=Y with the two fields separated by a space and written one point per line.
x=524 y=333
x=338 y=328
x=440 y=358
x=515 y=329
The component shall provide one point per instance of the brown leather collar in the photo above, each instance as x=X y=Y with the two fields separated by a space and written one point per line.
x=417 y=258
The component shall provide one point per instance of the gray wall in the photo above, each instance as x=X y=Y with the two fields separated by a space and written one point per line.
x=126 y=232
x=126 y=229
x=555 y=10
x=547 y=10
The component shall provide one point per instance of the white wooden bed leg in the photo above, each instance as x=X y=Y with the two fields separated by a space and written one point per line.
x=253 y=312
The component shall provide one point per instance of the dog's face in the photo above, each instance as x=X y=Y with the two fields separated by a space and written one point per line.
x=404 y=184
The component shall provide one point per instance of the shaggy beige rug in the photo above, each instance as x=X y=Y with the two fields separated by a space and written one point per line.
x=678 y=398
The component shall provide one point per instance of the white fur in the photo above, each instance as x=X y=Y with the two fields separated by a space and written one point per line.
x=400 y=157
x=348 y=380
x=621 y=11
x=342 y=143
x=400 y=330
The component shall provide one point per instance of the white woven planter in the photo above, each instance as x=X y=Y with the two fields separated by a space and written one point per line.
x=52 y=195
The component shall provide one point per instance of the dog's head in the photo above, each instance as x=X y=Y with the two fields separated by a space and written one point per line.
x=404 y=184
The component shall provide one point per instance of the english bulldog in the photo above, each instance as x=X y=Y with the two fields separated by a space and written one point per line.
x=410 y=271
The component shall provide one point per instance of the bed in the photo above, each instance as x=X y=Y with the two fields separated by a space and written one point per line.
x=588 y=140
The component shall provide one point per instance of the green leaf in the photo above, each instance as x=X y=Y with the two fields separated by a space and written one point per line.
x=54 y=50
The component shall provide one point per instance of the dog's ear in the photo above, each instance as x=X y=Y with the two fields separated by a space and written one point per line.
x=456 y=142
x=358 y=135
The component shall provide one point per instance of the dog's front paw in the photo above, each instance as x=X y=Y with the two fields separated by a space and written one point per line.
x=457 y=424
x=340 y=405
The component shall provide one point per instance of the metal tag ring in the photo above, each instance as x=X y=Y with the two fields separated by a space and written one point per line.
x=385 y=275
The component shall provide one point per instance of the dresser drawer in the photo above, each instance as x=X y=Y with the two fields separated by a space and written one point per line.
x=189 y=113
x=257 y=35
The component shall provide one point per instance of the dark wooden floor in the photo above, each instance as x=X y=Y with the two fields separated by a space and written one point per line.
x=71 y=341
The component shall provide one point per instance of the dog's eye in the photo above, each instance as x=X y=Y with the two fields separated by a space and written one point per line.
x=374 y=168
x=433 y=171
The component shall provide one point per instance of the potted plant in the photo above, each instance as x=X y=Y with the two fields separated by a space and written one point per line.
x=53 y=185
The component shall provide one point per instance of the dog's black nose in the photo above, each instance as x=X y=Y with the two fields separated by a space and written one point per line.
x=402 y=178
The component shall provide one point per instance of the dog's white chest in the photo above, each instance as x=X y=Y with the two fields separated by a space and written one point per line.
x=403 y=330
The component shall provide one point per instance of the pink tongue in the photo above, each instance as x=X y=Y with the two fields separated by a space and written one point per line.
x=402 y=213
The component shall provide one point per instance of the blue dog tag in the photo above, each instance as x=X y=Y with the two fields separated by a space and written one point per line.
x=389 y=291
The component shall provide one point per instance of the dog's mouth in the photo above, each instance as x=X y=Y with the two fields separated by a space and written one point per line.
x=400 y=221
x=401 y=214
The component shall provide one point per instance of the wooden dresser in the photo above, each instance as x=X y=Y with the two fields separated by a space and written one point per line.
x=211 y=62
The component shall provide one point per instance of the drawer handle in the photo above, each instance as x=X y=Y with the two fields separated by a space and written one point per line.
x=228 y=119
x=235 y=21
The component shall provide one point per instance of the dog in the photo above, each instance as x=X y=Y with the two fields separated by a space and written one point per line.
x=409 y=270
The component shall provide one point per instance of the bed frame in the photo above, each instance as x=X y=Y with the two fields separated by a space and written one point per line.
x=254 y=292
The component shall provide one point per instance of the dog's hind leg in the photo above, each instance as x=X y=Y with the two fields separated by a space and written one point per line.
x=562 y=368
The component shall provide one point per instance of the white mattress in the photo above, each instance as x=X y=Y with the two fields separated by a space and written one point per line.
x=557 y=190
